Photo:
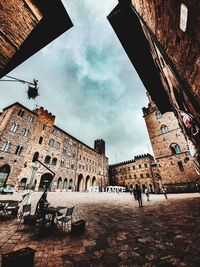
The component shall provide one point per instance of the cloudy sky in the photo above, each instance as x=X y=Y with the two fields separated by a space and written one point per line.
x=88 y=82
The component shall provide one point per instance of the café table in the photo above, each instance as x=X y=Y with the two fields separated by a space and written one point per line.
x=53 y=212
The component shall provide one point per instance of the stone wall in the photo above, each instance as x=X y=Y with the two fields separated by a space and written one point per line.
x=173 y=168
x=136 y=171
x=163 y=19
x=72 y=156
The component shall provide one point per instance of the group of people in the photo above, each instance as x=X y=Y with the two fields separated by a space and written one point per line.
x=138 y=194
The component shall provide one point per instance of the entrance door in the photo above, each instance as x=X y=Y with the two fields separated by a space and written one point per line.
x=4 y=173
x=45 y=181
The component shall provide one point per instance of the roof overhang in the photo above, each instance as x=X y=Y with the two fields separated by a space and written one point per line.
x=127 y=27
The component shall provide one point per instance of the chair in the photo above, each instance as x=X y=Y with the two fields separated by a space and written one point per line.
x=12 y=209
x=66 y=218
x=29 y=219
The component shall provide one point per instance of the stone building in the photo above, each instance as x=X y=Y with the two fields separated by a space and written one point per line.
x=26 y=27
x=161 y=39
x=175 y=165
x=36 y=153
x=141 y=170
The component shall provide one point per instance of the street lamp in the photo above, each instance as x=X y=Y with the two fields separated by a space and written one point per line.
x=32 y=86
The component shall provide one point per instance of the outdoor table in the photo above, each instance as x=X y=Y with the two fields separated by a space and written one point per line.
x=53 y=211
x=5 y=202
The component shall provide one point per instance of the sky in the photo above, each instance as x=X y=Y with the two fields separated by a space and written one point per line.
x=87 y=81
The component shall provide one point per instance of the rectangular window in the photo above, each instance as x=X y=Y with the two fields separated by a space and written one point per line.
x=51 y=142
x=53 y=131
x=57 y=145
x=180 y=165
x=25 y=132
x=6 y=146
x=18 y=150
x=30 y=118
x=20 y=113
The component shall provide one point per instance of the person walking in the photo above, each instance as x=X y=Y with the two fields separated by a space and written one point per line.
x=146 y=191
x=138 y=195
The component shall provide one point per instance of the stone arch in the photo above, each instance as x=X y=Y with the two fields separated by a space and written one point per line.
x=4 y=173
x=70 y=183
x=80 y=182
x=87 y=182
x=22 y=184
x=47 y=159
x=65 y=184
x=93 y=181
x=175 y=148
x=59 y=183
x=35 y=156
x=45 y=181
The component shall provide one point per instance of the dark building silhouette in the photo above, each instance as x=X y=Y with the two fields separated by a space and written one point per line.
x=26 y=27
x=99 y=145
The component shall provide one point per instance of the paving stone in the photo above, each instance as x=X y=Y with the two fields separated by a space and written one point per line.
x=118 y=233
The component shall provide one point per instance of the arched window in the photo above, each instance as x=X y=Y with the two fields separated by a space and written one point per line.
x=64 y=150
x=164 y=129
x=14 y=127
x=40 y=140
x=158 y=115
x=47 y=160
x=18 y=150
x=175 y=148
x=25 y=132
x=35 y=156
x=54 y=161
x=62 y=163
x=22 y=184
x=6 y=146
x=68 y=163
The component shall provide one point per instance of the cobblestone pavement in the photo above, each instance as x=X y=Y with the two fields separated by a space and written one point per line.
x=163 y=233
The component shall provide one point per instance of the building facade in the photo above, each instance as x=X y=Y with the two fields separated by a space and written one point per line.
x=161 y=39
x=141 y=170
x=175 y=164
x=26 y=27
x=36 y=153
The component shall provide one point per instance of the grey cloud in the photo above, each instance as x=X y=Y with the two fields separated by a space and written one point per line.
x=88 y=82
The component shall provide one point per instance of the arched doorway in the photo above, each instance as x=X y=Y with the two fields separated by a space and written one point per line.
x=87 y=183
x=22 y=184
x=4 y=173
x=45 y=181
x=59 y=183
x=80 y=183
x=65 y=184
x=70 y=184
x=94 y=181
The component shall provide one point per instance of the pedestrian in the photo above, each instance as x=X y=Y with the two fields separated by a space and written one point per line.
x=138 y=195
x=146 y=191
x=164 y=191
